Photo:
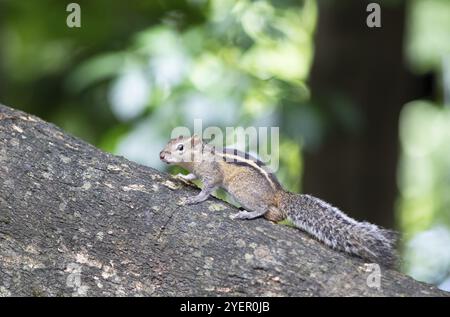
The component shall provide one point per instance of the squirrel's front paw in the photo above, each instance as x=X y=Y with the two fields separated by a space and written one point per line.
x=187 y=179
x=191 y=200
x=179 y=177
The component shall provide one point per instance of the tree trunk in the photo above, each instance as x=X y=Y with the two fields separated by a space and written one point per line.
x=77 y=221
x=359 y=73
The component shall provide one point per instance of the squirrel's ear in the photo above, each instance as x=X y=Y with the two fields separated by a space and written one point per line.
x=196 y=139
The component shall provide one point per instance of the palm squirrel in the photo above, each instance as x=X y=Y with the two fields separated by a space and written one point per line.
x=257 y=190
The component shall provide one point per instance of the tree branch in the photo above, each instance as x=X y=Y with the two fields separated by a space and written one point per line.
x=77 y=221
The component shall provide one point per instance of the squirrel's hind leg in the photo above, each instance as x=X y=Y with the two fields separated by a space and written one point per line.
x=274 y=214
x=249 y=214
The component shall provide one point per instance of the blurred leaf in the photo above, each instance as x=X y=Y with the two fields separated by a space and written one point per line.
x=94 y=70
x=428 y=34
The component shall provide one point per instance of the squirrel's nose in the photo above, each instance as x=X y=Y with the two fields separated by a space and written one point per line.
x=161 y=155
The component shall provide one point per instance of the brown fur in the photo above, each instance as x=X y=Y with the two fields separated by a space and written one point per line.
x=258 y=191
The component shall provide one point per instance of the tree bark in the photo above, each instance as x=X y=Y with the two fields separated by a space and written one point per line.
x=77 y=221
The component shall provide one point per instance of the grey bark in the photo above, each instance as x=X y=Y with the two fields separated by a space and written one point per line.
x=77 y=221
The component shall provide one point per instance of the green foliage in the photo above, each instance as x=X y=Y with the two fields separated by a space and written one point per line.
x=137 y=69
x=126 y=79
x=428 y=34
x=424 y=177
x=424 y=183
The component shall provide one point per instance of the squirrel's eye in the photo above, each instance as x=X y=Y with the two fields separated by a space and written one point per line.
x=180 y=147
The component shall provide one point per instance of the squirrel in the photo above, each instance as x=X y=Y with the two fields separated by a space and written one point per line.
x=258 y=191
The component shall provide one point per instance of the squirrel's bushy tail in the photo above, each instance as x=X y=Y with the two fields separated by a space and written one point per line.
x=334 y=228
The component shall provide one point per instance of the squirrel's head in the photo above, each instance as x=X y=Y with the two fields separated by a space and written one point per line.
x=181 y=149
